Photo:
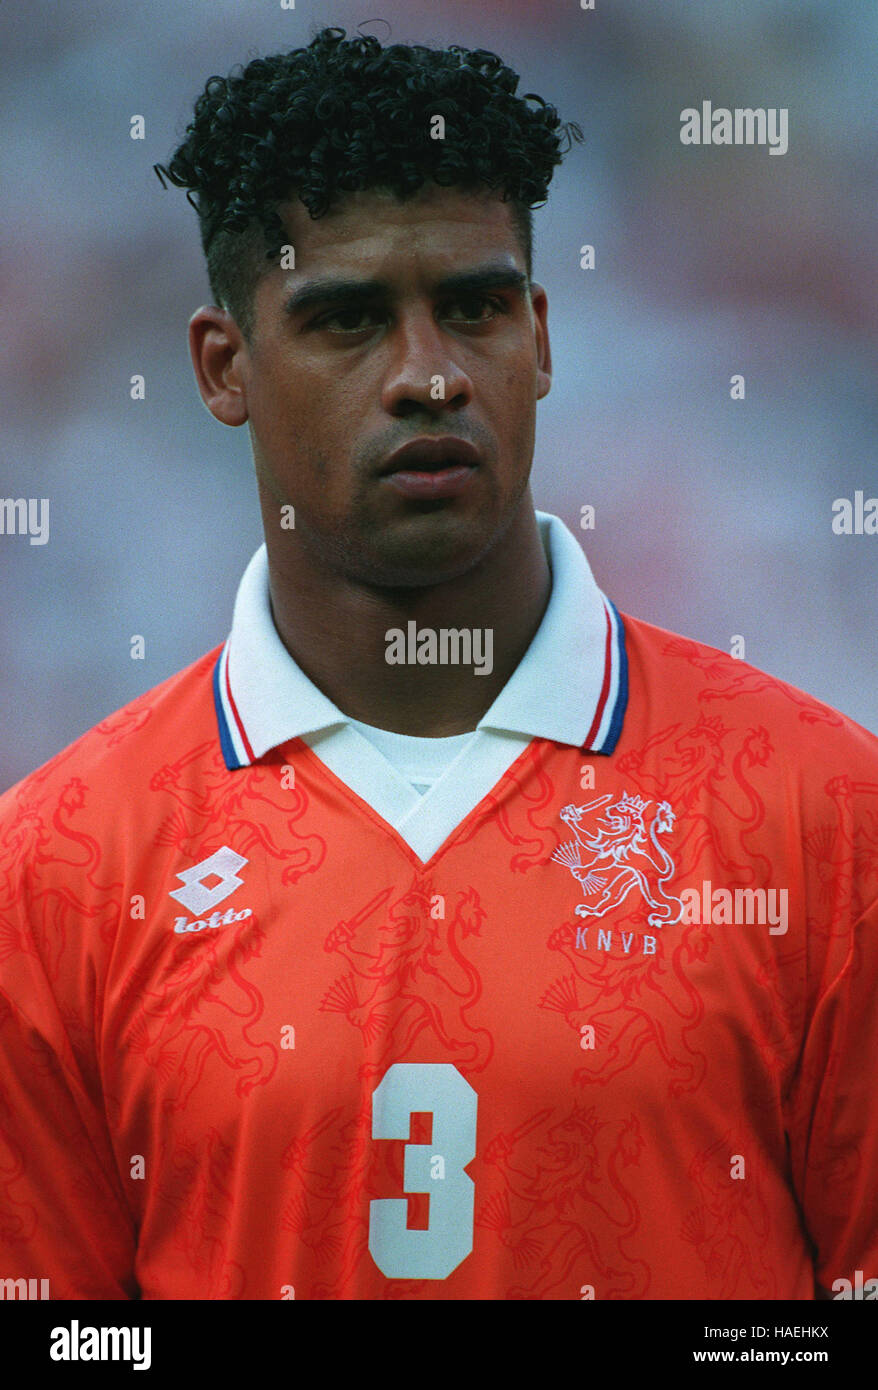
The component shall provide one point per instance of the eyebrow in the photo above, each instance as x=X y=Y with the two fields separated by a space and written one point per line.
x=328 y=292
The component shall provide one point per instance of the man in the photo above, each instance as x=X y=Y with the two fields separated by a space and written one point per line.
x=444 y=934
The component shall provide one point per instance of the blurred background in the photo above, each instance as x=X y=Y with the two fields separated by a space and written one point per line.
x=713 y=516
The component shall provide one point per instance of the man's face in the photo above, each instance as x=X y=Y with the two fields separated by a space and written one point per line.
x=402 y=323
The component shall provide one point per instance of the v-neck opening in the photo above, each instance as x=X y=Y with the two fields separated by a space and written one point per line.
x=476 y=810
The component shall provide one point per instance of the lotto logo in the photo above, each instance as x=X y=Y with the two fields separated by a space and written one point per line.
x=215 y=919
x=195 y=895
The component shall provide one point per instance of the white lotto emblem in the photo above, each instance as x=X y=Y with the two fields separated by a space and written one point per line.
x=614 y=852
x=198 y=898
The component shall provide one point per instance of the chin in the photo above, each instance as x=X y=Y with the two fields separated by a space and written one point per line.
x=431 y=555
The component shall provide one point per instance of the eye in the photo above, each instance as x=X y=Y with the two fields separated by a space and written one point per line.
x=476 y=308
x=348 y=320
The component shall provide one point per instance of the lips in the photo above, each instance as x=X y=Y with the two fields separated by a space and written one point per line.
x=432 y=455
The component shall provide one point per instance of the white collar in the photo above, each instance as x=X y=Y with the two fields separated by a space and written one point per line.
x=570 y=686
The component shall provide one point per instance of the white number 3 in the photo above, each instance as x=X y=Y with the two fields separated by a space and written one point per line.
x=432 y=1254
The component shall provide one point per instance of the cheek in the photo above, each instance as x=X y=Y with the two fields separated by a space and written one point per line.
x=518 y=404
x=282 y=411
x=520 y=380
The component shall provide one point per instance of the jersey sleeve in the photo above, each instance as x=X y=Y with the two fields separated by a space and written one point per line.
x=833 y=1129
x=63 y=1215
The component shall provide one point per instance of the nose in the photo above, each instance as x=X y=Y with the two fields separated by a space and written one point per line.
x=424 y=372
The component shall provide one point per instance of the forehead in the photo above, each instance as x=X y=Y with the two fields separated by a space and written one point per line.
x=434 y=231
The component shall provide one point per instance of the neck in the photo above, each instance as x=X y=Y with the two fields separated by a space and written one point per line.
x=336 y=632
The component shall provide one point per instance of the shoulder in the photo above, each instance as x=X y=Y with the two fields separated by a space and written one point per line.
x=106 y=763
x=769 y=764
x=674 y=674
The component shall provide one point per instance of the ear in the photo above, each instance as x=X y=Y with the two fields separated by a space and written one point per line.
x=217 y=346
x=540 y=303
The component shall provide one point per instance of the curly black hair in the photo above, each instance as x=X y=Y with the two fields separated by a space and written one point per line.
x=344 y=115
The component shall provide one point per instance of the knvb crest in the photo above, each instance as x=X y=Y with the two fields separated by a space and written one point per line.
x=614 y=852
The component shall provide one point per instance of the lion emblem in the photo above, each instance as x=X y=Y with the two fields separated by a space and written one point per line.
x=616 y=852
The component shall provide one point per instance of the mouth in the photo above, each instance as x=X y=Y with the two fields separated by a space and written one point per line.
x=432 y=468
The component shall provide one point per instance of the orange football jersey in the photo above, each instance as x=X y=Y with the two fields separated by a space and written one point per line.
x=613 y=1040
